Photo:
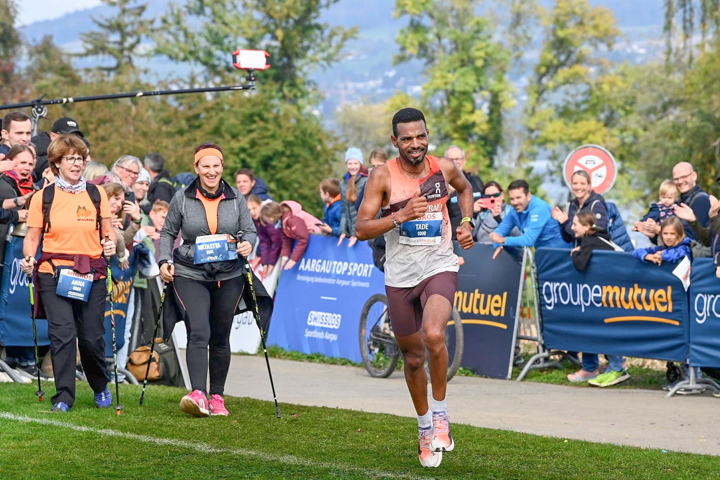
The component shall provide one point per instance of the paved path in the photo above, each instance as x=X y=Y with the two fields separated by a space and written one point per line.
x=641 y=418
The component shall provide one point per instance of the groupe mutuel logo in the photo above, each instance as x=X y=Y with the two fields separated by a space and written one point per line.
x=324 y=319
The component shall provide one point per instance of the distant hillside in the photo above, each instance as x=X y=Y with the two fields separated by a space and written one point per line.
x=367 y=70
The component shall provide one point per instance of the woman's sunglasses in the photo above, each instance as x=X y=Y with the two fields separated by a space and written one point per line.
x=492 y=195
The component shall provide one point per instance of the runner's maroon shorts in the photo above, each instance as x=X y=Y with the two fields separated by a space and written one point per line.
x=405 y=305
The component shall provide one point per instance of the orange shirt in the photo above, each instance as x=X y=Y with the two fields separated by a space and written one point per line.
x=72 y=225
x=211 y=210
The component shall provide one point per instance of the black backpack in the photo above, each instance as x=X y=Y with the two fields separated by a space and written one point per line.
x=49 y=196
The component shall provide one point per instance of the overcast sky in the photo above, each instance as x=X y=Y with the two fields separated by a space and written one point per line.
x=36 y=10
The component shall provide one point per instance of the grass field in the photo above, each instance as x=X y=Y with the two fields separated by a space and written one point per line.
x=158 y=441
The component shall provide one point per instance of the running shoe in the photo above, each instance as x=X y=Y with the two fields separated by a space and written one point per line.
x=60 y=407
x=609 y=379
x=442 y=440
x=195 y=403
x=428 y=457
x=582 y=376
x=217 y=405
x=103 y=399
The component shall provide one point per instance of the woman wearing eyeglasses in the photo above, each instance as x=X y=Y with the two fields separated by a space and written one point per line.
x=487 y=220
x=70 y=273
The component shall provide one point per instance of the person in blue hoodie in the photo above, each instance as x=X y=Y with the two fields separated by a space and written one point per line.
x=330 y=195
x=531 y=215
x=675 y=245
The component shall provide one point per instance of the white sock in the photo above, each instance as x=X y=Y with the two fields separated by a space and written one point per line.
x=439 y=405
x=425 y=421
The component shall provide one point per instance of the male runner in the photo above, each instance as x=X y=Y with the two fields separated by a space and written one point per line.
x=420 y=266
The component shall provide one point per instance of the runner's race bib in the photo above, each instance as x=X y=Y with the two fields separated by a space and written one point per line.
x=425 y=230
x=73 y=285
x=214 y=248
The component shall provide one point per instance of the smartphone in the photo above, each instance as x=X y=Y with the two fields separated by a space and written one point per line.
x=130 y=197
x=487 y=202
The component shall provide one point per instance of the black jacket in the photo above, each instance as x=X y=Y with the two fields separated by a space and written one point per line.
x=161 y=188
x=41 y=142
x=581 y=258
x=595 y=204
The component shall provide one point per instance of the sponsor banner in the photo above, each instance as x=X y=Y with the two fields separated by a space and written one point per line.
x=704 y=314
x=15 y=315
x=487 y=300
x=123 y=282
x=618 y=306
x=319 y=301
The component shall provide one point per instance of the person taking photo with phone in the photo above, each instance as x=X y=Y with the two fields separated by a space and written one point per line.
x=492 y=214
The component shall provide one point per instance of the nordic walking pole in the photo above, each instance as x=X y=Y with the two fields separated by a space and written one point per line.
x=256 y=314
x=152 y=347
x=118 y=407
x=40 y=392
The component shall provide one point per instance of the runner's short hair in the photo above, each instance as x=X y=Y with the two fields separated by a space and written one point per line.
x=515 y=184
x=407 y=115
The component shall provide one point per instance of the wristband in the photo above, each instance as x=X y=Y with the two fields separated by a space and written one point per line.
x=137 y=222
x=394 y=220
x=17 y=204
x=468 y=219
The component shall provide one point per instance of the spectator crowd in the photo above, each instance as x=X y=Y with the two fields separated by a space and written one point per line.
x=684 y=222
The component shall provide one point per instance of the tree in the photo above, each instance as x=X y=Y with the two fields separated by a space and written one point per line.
x=466 y=90
x=685 y=11
x=10 y=45
x=206 y=33
x=559 y=111
x=366 y=126
x=119 y=37
x=49 y=65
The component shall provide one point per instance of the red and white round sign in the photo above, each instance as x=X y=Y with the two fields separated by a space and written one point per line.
x=597 y=162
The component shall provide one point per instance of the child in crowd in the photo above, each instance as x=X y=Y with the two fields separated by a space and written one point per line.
x=269 y=238
x=377 y=157
x=659 y=211
x=675 y=245
x=330 y=194
x=296 y=225
x=589 y=237
x=352 y=186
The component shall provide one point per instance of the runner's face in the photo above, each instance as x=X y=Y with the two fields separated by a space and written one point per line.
x=254 y=209
x=412 y=141
x=580 y=187
x=244 y=184
x=25 y=164
x=518 y=199
x=209 y=169
x=578 y=228
x=353 y=166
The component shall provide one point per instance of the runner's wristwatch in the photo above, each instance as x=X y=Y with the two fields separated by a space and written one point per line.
x=468 y=219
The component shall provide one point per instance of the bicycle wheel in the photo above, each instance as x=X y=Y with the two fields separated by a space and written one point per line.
x=455 y=344
x=379 y=351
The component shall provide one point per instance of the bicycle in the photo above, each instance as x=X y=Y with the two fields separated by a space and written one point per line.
x=379 y=350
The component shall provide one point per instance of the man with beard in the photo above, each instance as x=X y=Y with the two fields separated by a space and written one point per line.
x=411 y=191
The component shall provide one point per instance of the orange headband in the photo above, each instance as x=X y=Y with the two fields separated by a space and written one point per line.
x=209 y=152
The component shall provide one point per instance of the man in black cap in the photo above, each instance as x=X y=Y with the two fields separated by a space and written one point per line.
x=43 y=139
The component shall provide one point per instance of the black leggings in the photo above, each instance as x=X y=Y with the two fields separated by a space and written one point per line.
x=209 y=311
x=74 y=319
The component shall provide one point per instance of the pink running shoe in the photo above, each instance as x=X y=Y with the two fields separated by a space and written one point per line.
x=442 y=440
x=428 y=457
x=195 y=403
x=217 y=405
